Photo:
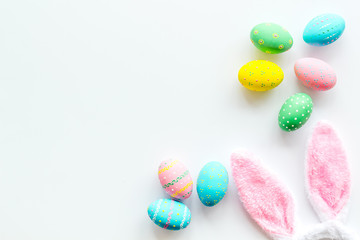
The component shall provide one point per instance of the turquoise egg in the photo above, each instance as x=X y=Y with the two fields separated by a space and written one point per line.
x=212 y=183
x=169 y=214
x=324 y=29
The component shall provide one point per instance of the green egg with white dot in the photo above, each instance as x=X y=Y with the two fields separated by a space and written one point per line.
x=295 y=112
x=271 y=38
x=212 y=183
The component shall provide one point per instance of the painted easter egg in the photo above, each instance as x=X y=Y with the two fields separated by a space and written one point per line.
x=175 y=179
x=295 y=112
x=260 y=75
x=169 y=214
x=271 y=38
x=315 y=74
x=212 y=183
x=324 y=29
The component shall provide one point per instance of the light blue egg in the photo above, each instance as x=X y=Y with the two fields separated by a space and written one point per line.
x=212 y=183
x=169 y=214
x=324 y=29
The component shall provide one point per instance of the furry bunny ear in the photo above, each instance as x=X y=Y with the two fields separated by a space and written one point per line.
x=330 y=230
x=266 y=200
x=327 y=173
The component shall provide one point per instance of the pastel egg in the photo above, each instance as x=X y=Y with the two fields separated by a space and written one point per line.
x=260 y=75
x=175 y=178
x=212 y=183
x=271 y=38
x=169 y=214
x=324 y=29
x=315 y=74
x=295 y=112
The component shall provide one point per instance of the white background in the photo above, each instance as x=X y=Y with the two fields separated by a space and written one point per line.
x=95 y=94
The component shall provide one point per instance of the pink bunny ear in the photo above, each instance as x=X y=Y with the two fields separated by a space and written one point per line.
x=264 y=197
x=328 y=174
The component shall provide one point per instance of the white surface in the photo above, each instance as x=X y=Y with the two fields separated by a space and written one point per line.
x=94 y=94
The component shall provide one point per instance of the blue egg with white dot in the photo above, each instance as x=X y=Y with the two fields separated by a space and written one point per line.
x=212 y=183
x=324 y=29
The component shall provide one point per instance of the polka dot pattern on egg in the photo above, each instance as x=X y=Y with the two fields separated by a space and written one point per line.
x=315 y=74
x=295 y=112
x=260 y=75
x=212 y=183
x=324 y=29
x=169 y=214
x=271 y=38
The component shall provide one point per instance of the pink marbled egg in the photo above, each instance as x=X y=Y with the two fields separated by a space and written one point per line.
x=315 y=74
x=175 y=178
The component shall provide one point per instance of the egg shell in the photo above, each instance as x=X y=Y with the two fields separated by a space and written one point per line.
x=271 y=38
x=324 y=29
x=169 y=214
x=260 y=75
x=315 y=74
x=175 y=178
x=295 y=112
x=212 y=183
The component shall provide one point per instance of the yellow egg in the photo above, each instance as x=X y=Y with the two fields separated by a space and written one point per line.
x=260 y=75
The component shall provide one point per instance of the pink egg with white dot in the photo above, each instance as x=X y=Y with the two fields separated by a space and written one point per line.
x=175 y=178
x=315 y=74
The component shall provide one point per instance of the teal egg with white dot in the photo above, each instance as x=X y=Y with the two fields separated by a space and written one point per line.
x=212 y=183
x=295 y=112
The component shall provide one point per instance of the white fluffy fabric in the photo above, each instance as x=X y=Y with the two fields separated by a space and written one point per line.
x=332 y=230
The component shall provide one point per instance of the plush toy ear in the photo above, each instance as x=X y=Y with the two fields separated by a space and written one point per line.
x=266 y=200
x=330 y=230
x=328 y=174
